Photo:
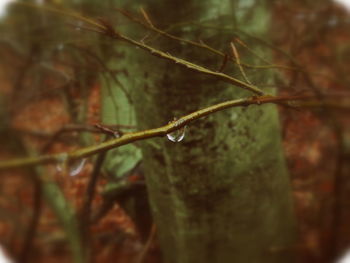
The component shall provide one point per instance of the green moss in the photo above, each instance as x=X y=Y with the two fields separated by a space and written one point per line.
x=219 y=195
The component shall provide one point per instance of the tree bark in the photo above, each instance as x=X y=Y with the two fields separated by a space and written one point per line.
x=222 y=194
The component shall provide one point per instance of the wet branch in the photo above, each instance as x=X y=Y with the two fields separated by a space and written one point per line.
x=149 y=25
x=103 y=27
x=189 y=65
x=146 y=134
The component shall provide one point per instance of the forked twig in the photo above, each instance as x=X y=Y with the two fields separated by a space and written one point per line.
x=236 y=55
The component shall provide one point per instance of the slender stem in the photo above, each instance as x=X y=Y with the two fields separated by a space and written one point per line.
x=62 y=12
x=33 y=224
x=85 y=214
x=146 y=134
x=141 y=257
x=104 y=27
x=189 y=65
x=236 y=55
x=202 y=45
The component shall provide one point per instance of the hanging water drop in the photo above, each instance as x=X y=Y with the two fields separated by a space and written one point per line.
x=234 y=116
x=116 y=134
x=76 y=167
x=78 y=26
x=60 y=47
x=177 y=136
x=62 y=159
x=59 y=167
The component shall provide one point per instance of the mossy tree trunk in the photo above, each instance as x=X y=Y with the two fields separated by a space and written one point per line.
x=222 y=194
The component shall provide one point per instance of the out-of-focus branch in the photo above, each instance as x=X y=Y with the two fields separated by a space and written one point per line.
x=85 y=214
x=142 y=255
x=34 y=221
x=104 y=27
x=149 y=25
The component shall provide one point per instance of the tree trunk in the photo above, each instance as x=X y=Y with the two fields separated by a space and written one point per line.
x=222 y=194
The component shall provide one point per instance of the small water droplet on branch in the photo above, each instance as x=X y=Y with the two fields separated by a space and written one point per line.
x=177 y=136
x=76 y=167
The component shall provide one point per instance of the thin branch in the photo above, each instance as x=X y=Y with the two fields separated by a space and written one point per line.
x=296 y=66
x=85 y=214
x=166 y=34
x=104 y=26
x=96 y=128
x=90 y=190
x=256 y=54
x=106 y=69
x=236 y=55
x=105 y=129
x=34 y=221
x=145 y=15
x=143 y=253
x=146 y=134
x=62 y=12
x=188 y=65
x=196 y=44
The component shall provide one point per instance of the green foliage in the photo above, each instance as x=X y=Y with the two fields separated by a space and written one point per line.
x=122 y=160
x=117 y=109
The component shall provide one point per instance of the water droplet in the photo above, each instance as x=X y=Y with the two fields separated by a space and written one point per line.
x=60 y=46
x=177 y=136
x=76 y=166
x=300 y=16
x=186 y=29
x=332 y=22
x=59 y=167
x=61 y=162
x=79 y=24
x=116 y=134
x=234 y=116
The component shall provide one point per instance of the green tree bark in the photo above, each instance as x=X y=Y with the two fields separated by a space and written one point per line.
x=222 y=194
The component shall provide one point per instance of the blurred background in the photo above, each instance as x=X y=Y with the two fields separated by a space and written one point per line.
x=66 y=84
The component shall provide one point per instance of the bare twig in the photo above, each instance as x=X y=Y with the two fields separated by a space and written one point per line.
x=189 y=65
x=109 y=131
x=63 y=12
x=33 y=223
x=257 y=55
x=85 y=214
x=166 y=34
x=106 y=28
x=106 y=69
x=142 y=135
x=197 y=44
x=145 y=15
x=236 y=55
x=141 y=257
x=96 y=128
x=223 y=63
